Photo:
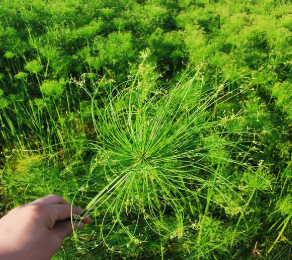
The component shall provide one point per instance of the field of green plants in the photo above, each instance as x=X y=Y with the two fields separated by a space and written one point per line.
x=168 y=121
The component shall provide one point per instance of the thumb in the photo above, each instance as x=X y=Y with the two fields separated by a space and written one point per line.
x=64 y=227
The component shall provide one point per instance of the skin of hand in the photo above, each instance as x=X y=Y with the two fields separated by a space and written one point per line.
x=35 y=231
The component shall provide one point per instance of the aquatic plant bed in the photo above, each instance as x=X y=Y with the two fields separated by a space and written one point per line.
x=168 y=121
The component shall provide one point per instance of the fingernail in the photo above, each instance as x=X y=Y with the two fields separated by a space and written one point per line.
x=78 y=225
x=87 y=216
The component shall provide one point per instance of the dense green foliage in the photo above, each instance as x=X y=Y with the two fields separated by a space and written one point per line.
x=168 y=121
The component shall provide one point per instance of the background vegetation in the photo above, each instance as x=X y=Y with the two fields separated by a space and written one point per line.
x=168 y=120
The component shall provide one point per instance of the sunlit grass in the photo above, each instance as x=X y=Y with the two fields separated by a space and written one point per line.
x=197 y=160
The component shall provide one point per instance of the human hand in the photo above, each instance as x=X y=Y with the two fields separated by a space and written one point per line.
x=35 y=231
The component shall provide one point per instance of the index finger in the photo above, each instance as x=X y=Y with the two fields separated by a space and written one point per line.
x=50 y=199
x=62 y=212
x=57 y=212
